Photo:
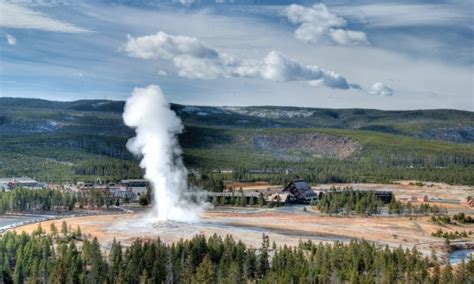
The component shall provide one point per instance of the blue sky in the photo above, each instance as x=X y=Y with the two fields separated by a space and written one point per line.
x=337 y=54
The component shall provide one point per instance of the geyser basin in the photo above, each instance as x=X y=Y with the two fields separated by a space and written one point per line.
x=247 y=225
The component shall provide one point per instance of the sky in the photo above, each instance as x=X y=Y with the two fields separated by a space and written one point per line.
x=333 y=54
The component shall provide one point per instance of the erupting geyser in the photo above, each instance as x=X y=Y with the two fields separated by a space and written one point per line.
x=157 y=127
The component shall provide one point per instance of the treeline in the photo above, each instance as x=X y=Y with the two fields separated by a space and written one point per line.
x=450 y=235
x=396 y=207
x=20 y=200
x=110 y=169
x=240 y=200
x=463 y=218
x=323 y=171
x=348 y=201
x=27 y=200
x=446 y=219
x=69 y=257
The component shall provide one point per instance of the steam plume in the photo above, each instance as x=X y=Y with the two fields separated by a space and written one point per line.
x=157 y=127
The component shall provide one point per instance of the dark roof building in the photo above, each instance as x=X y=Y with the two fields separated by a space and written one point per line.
x=300 y=192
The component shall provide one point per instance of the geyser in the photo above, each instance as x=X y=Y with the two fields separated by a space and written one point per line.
x=157 y=127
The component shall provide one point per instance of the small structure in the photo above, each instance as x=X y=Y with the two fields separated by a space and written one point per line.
x=282 y=197
x=468 y=201
x=385 y=196
x=299 y=191
x=89 y=186
x=137 y=186
x=420 y=199
x=8 y=184
x=121 y=191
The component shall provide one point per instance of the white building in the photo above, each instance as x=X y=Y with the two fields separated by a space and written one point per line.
x=20 y=182
x=121 y=191
x=137 y=186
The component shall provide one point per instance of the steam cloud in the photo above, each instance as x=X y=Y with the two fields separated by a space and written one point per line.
x=157 y=127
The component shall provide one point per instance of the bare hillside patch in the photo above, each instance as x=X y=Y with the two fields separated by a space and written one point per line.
x=316 y=144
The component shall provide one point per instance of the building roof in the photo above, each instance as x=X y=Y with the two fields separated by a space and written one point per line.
x=18 y=180
x=301 y=189
x=134 y=180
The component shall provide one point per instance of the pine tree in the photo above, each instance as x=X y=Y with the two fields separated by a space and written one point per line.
x=243 y=199
x=206 y=271
x=115 y=260
x=187 y=271
x=169 y=271
x=447 y=275
x=53 y=230
x=251 y=201
x=262 y=262
x=250 y=264
x=260 y=199
x=18 y=272
x=64 y=230
x=215 y=200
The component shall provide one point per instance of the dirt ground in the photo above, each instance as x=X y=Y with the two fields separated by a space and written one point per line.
x=290 y=224
x=249 y=186
x=404 y=189
x=283 y=225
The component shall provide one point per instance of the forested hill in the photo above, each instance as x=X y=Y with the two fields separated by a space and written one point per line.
x=447 y=125
x=85 y=139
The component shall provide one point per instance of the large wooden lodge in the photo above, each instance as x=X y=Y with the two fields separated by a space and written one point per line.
x=297 y=192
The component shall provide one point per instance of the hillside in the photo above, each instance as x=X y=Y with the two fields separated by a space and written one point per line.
x=85 y=139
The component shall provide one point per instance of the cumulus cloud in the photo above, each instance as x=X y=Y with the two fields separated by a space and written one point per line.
x=11 y=40
x=380 y=89
x=194 y=59
x=317 y=23
x=21 y=17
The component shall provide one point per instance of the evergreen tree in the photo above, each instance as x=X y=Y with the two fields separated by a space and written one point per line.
x=206 y=271
x=260 y=199
x=251 y=201
x=262 y=262
x=64 y=229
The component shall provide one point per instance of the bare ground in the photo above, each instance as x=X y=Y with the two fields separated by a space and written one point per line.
x=288 y=225
x=282 y=226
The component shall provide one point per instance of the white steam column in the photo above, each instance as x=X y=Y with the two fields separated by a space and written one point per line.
x=157 y=127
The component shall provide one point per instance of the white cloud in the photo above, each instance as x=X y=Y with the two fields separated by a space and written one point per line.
x=11 y=40
x=390 y=15
x=347 y=37
x=380 y=89
x=317 y=23
x=194 y=59
x=278 y=67
x=20 y=17
x=162 y=73
x=185 y=2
